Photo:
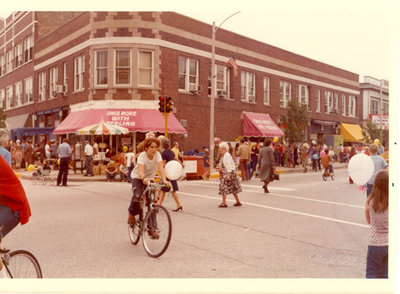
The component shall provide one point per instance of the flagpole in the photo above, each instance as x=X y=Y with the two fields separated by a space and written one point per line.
x=213 y=82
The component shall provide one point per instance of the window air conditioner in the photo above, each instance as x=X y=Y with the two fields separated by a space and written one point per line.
x=252 y=99
x=62 y=89
x=221 y=93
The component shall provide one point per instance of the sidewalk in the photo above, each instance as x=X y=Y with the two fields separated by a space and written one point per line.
x=78 y=177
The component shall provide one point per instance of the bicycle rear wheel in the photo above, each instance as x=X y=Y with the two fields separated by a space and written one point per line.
x=157 y=230
x=23 y=264
x=134 y=231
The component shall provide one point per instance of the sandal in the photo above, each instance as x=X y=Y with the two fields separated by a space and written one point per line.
x=223 y=205
x=237 y=204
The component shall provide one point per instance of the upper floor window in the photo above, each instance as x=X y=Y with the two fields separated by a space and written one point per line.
x=122 y=67
x=65 y=76
x=344 y=105
x=328 y=102
x=146 y=68
x=248 y=87
x=222 y=88
x=285 y=89
x=101 y=74
x=28 y=45
x=385 y=108
x=9 y=97
x=336 y=101
x=53 y=80
x=303 y=94
x=42 y=86
x=28 y=90
x=374 y=106
x=2 y=65
x=188 y=74
x=79 y=70
x=18 y=60
x=266 y=91
x=318 y=101
x=18 y=100
x=9 y=58
x=352 y=106
x=2 y=98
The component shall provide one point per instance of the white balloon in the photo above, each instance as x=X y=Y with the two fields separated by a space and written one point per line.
x=173 y=170
x=361 y=168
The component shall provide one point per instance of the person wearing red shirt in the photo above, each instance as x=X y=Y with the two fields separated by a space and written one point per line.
x=14 y=206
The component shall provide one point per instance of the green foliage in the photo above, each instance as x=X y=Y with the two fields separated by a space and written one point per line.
x=296 y=120
x=371 y=132
x=2 y=118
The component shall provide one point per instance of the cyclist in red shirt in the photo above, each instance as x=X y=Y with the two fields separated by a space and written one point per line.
x=14 y=206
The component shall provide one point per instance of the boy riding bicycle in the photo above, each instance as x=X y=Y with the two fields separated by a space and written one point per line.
x=326 y=161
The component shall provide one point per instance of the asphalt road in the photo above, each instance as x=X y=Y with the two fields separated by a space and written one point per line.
x=305 y=228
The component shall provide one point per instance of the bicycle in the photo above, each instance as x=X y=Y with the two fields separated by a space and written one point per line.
x=328 y=172
x=155 y=228
x=20 y=264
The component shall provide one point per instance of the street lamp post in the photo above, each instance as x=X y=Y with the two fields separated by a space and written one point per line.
x=213 y=82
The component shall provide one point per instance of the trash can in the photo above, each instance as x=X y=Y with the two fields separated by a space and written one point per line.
x=194 y=167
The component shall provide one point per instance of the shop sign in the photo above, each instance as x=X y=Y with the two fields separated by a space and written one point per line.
x=380 y=120
x=122 y=118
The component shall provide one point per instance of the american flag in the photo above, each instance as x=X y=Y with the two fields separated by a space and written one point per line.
x=232 y=62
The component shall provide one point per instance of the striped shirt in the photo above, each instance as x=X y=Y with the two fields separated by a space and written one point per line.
x=379 y=227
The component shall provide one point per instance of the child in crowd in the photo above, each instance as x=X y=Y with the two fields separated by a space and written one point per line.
x=206 y=163
x=376 y=213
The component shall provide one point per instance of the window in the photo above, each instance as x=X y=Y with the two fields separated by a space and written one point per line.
x=28 y=44
x=53 y=79
x=79 y=70
x=42 y=86
x=352 y=106
x=28 y=90
x=302 y=95
x=9 y=97
x=18 y=55
x=188 y=74
x=18 y=94
x=266 y=91
x=2 y=65
x=336 y=96
x=2 y=98
x=101 y=68
x=318 y=101
x=9 y=57
x=145 y=68
x=328 y=102
x=285 y=93
x=248 y=87
x=374 y=106
x=65 y=82
x=222 y=81
x=344 y=105
x=385 y=108
x=122 y=67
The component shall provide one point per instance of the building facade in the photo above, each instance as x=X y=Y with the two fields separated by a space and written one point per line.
x=128 y=59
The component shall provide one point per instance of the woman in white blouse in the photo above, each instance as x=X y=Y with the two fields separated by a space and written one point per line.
x=229 y=182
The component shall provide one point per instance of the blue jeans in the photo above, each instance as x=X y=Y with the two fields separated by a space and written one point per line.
x=377 y=262
x=137 y=188
x=9 y=219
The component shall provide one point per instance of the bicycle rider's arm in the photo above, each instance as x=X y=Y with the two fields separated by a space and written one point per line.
x=162 y=172
x=141 y=173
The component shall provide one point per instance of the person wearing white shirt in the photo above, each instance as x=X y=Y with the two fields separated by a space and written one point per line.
x=229 y=182
x=47 y=151
x=88 y=159
x=130 y=158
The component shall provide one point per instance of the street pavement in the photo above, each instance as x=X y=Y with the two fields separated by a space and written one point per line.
x=305 y=228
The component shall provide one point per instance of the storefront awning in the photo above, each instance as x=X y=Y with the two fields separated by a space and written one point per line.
x=135 y=120
x=18 y=121
x=351 y=132
x=260 y=125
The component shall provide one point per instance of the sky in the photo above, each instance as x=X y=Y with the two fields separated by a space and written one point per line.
x=358 y=36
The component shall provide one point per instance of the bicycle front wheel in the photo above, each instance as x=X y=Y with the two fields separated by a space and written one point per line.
x=157 y=230
x=23 y=264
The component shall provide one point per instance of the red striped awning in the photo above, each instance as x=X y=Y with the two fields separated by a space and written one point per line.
x=260 y=125
x=135 y=120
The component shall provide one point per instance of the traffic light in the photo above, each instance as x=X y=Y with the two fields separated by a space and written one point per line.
x=169 y=104
x=162 y=104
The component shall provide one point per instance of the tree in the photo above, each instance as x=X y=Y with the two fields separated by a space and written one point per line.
x=295 y=120
x=2 y=118
x=371 y=132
